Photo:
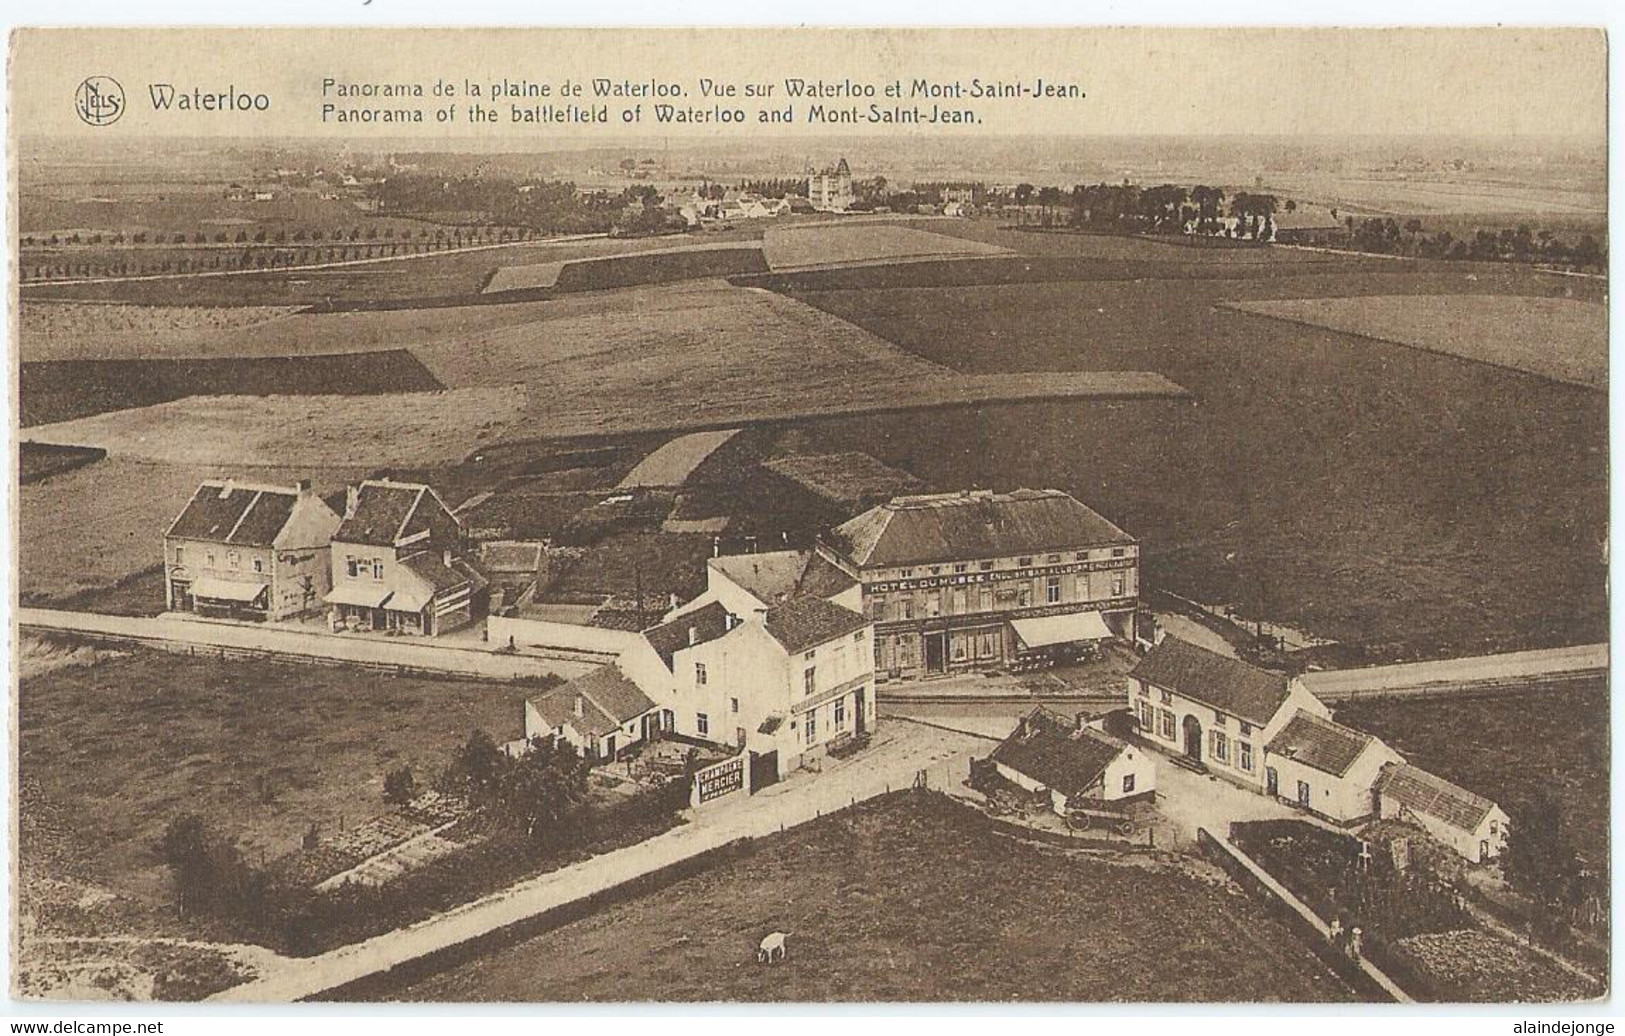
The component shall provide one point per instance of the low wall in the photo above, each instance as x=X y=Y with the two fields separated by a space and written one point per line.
x=537 y=633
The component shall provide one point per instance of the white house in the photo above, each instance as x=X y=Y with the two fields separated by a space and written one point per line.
x=601 y=713
x=746 y=584
x=1327 y=768
x=1075 y=764
x=1472 y=825
x=1214 y=711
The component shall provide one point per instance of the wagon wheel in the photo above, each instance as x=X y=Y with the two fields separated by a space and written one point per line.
x=1078 y=821
x=1124 y=827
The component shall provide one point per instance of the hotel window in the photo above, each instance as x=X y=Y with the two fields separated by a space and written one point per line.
x=1052 y=590
x=933 y=604
x=1221 y=747
x=702 y=723
x=1024 y=596
x=961 y=567
x=259 y=564
x=984 y=599
x=1246 y=728
x=1082 y=555
x=812 y=727
x=733 y=704
x=1118 y=552
x=1218 y=718
x=957 y=646
x=907 y=572
x=1024 y=562
x=840 y=714
x=699 y=674
x=180 y=555
x=986 y=647
x=961 y=603
x=232 y=558
x=936 y=570
x=378 y=569
x=1167 y=698
x=1119 y=585
x=877 y=607
x=351 y=567
x=907 y=604
x=1128 y=784
x=1167 y=720
x=1053 y=559
x=809 y=679
x=986 y=566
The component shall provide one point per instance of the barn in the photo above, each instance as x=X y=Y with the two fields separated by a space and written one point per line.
x=1470 y=824
x=1327 y=768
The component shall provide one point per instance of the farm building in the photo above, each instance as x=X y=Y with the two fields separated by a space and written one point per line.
x=976 y=580
x=1327 y=768
x=1308 y=226
x=1215 y=712
x=247 y=551
x=1470 y=824
x=601 y=713
x=514 y=567
x=397 y=563
x=1075 y=764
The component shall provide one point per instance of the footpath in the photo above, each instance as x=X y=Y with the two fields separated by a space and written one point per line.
x=227 y=639
x=895 y=760
x=1459 y=675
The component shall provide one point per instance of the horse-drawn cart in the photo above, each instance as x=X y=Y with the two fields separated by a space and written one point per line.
x=1085 y=818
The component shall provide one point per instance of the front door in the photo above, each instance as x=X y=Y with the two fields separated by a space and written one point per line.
x=1193 y=739
x=936 y=650
x=860 y=721
x=1272 y=782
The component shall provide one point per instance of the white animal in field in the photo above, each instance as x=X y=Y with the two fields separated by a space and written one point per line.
x=772 y=948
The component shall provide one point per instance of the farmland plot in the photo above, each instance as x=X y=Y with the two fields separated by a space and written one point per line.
x=1555 y=338
x=821 y=244
x=913 y=898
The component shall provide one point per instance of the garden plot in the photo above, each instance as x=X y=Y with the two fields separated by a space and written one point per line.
x=1559 y=339
x=399 y=429
x=833 y=244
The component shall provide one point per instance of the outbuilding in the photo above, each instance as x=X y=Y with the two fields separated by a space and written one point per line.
x=1470 y=824
x=1327 y=768
x=1076 y=764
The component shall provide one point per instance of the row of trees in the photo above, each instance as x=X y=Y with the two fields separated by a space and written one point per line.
x=263 y=236
x=1508 y=244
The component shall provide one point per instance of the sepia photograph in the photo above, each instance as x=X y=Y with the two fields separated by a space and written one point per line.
x=768 y=515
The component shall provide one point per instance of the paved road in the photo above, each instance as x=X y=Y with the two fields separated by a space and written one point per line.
x=465 y=659
x=1341 y=684
x=900 y=750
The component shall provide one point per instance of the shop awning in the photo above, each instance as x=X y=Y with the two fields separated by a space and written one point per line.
x=358 y=596
x=212 y=589
x=410 y=599
x=1061 y=629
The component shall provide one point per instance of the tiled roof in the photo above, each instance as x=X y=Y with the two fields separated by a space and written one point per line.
x=805 y=622
x=1048 y=749
x=607 y=700
x=225 y=512
x=381 y=513
x=512 y=556
x=847 y=479
x=430 y=566
x=822 y=579
x=1422 y=792
x=1328 y=747
x=697 y=627
x=781 y=574
x=1214 y=680
x=914 y=530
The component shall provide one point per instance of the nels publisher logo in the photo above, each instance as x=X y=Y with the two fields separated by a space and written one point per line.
x=99 y=100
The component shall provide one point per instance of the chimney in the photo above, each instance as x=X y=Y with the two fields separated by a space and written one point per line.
x=226 y=487
x=351 y=494
x=671 y=601
x=445 y=558
x=302 y=486
x=581 y=705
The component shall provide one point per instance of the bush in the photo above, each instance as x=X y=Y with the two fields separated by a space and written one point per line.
x=400 y=787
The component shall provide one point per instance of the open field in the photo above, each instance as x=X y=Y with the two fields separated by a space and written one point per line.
x=95 y=525
x=650 y=266
x=407 y=428
x=1511 y=748
x=1554 y=338
x=123 y=744
x=36 y=462
x=1354 y=488
x=911 y=898
x=862 y=241
x=51 y=391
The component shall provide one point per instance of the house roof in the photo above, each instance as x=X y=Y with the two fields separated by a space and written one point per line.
x=1326 y=746
x=432 y=569
x=512 y=557
x=1223 y=683
x=384 y=512
x=781 y=574
x=696 y=627
x=975 y=524
x=607 y=697
x=1422 y=792
x=849 y=479
x=224 y=511
x=805 y=622
x=1051 y=751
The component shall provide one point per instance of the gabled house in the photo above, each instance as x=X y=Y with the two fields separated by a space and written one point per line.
x=1215 y=712
x=1327 y=768
x=601 y=713
x=746 y=584
x=243 y=550
x=1472 y=825
x=397 y=563
x=1076 y=765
